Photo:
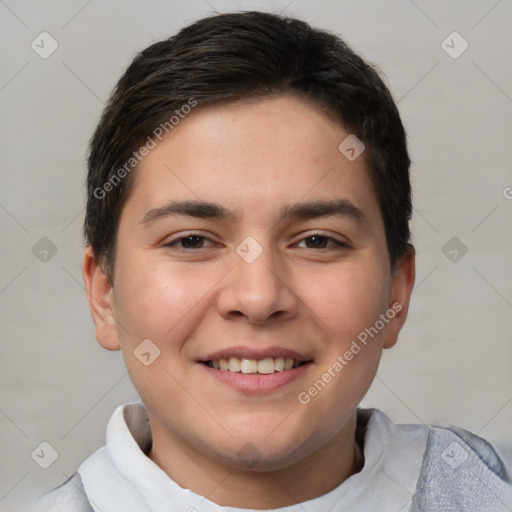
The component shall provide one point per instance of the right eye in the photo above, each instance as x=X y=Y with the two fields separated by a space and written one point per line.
x=191 y=241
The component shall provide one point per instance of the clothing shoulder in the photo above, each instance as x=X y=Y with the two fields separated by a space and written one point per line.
x=461 y=472
x=67 y=497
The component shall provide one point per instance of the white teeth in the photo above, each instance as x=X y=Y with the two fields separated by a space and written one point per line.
x=249 y=366
x=263 y=366
x=266 y=366
x=234 y=364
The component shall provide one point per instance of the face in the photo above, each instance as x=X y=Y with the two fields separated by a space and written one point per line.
x=248 y=240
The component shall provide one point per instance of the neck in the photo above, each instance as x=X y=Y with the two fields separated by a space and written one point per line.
x=313 y=476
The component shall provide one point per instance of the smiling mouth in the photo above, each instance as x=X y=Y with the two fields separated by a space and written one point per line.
x=255 y=366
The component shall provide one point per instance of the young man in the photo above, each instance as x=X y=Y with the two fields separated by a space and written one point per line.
x=248 y=251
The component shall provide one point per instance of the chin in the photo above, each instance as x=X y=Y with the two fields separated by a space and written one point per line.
x=261 y=451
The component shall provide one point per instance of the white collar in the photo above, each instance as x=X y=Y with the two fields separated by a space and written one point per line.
x=120 y=477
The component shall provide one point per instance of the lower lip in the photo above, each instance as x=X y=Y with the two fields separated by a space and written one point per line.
x=255 y=383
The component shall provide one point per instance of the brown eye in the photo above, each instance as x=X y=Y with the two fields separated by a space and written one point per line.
x=188 y=242
x=192 y=241
x=318 y=241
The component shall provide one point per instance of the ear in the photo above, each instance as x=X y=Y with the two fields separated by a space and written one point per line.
x=402 y=284
x=99 y=293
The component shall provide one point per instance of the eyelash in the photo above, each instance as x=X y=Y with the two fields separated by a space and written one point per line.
x=336 y=244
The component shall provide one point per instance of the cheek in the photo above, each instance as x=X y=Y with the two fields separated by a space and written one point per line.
x=163 y=304
x=349 y=299
x=160 y=301
x=349 y=302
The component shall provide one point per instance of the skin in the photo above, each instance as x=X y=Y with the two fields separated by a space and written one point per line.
x=254 y=158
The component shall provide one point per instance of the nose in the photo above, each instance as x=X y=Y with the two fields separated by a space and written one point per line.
x=258 y=290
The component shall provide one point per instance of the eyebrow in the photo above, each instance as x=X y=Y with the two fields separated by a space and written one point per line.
x=303 y=211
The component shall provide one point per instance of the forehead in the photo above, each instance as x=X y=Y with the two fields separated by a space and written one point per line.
x=257 y=155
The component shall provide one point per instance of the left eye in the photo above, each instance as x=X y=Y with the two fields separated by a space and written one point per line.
x=322 y=242
x=188 y=242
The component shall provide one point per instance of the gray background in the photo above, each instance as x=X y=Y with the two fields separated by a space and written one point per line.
x=453 y=360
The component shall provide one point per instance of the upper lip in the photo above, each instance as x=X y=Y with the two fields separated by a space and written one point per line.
x=256 y=353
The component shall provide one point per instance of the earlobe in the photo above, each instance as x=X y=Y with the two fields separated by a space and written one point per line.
x=99 y=293
x=402 y=284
